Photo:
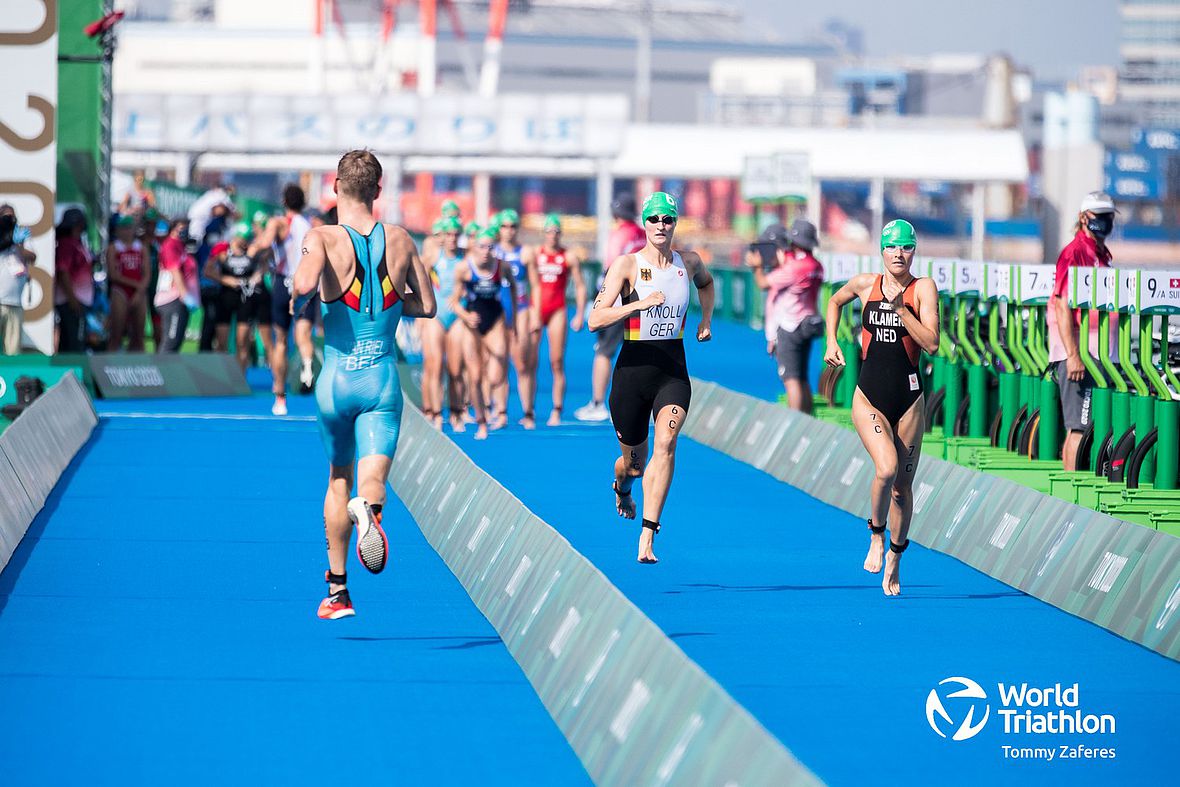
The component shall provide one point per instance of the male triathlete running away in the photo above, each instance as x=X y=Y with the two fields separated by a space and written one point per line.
x=899 y=318
x=555 y=265
x=368 y=275
x=651 y=375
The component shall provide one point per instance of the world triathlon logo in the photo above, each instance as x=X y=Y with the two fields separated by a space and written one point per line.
x=953 y=706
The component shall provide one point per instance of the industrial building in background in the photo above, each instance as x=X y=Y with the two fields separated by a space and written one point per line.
x=553 y=105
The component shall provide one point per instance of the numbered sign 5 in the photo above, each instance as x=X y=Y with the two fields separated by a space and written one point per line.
x=1080 y=291
x=999 y=281
x=1128 y=290
x=1036 y=284
x=1159 y=292
x=1105 y=285
x=968 y=278
x=943 y=273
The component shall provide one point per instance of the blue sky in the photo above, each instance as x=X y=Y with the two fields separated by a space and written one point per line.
x=1054 y=37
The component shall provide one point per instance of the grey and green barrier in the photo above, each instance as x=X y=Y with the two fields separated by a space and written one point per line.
x=633 y=707
x=1119 y=575
x=34 y=451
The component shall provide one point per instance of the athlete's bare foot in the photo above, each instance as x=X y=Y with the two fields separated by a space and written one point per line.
x=458 y=426
x=481 y=432
x=436 y=420
x=528 y=422
x=624 y=504
x=876 y=553
x=891 y=582
x=554 y=418
x=468 y=418
x=499 y=421
x=646 y=555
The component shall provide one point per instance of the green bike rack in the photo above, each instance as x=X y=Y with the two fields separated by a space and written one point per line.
x=1102 y=401
x=1158 y=294
x=968 y=286
x=998 y=286
x=947 y=366
x=1036 y=285
x=1080 y=295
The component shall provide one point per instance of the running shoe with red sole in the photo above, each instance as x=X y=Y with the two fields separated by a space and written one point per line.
x=336 y=606
x=372 y=547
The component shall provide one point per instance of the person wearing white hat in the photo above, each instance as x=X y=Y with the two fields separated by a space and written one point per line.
x=1087 y=249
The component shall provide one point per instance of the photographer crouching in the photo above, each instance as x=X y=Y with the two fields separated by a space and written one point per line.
x=786 y=269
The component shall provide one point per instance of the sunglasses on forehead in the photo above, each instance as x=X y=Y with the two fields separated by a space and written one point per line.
x=908 y=247
x=667 y=221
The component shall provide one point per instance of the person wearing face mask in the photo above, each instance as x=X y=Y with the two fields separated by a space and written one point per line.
x=1087 y=249
x=792 y=319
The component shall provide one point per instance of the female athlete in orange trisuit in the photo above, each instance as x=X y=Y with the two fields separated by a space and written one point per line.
x=900 y=318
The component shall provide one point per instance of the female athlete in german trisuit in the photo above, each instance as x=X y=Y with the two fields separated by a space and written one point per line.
x=899 y=319
x=651 y=375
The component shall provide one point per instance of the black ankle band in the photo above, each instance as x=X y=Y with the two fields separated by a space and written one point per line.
x=654 y=527
x=376 y=508
x=877 y=529
x=898 y=548
x=337 y=579
x=620 y=492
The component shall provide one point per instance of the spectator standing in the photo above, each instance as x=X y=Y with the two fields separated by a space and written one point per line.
x=139 y=198
x=1087 y=249
x=792 y=318
x=127 y=281
x=177 y=288
x=73 y=282
x=14 y=274
x=213 y=243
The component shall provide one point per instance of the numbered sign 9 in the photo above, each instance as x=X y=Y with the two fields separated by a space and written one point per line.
x=999 y=281
x=1081 y=287
x=943 y=273
x=1105 y=285
x=1128 y=290
x=1159 y=292
x=968 y=278
x=1036 y=284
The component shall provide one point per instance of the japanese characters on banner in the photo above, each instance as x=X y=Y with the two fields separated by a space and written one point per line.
x=28 y=149
x=552 y=125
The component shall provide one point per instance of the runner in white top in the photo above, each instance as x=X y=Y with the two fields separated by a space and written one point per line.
x=651 y=375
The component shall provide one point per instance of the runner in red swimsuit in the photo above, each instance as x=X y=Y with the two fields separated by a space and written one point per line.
x=128 y=275
x=555 y=265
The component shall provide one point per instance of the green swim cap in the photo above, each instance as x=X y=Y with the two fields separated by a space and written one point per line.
x=898 y=232
x=489 y=234
x=261 y=217
x=449 y=208
x=243 y=230
x=125 y=221
x=449 y=224
x=436 y=227
x=508 y=216
x=660 y=204
x=552 y=222
x=472 y=228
